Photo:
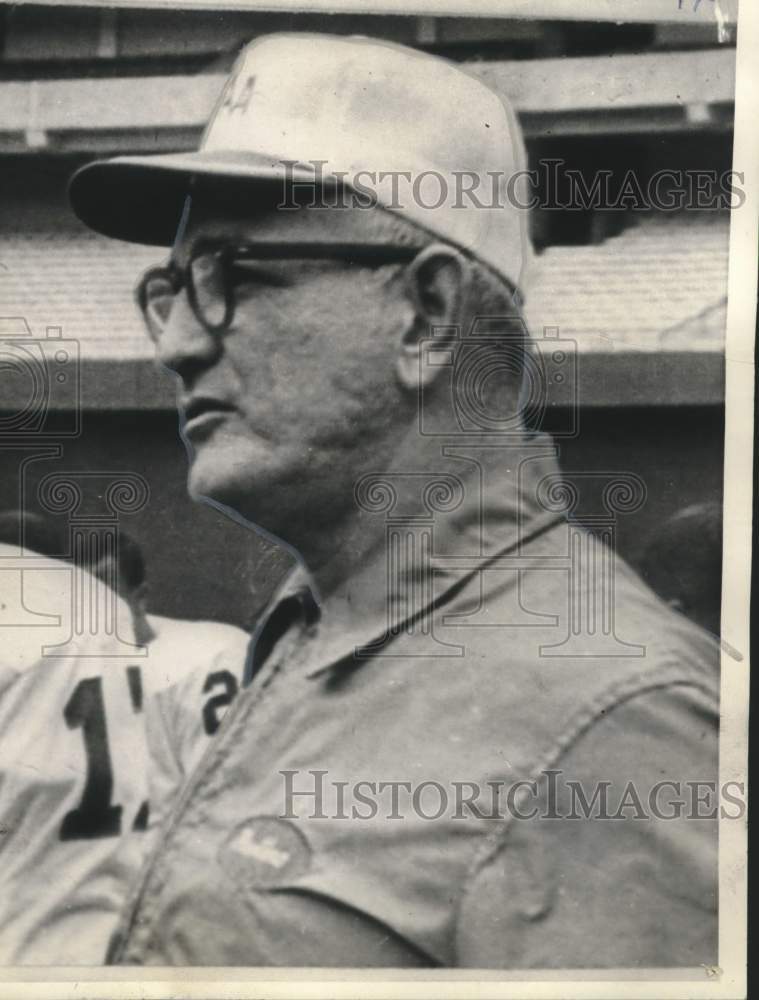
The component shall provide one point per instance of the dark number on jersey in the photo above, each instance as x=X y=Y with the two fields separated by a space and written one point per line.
x=227 y=681
x=96 y=816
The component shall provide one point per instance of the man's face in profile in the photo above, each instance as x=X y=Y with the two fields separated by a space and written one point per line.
x=286 y=404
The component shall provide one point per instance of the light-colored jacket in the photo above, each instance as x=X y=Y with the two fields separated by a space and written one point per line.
x=487 y=703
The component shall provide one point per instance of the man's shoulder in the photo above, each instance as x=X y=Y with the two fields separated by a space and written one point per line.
x=544 y=657
x=37 y=622
x=185 y=652
x=214 y=630
x=30 y=611
x=199 y=637
x=594 y=612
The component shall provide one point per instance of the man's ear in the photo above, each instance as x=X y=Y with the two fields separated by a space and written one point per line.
x=437 y=287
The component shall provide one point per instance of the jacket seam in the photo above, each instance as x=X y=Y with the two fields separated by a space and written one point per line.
x=669 y=676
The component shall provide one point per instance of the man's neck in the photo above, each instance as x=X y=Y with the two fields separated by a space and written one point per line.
x=144 y=633
x=452 y=484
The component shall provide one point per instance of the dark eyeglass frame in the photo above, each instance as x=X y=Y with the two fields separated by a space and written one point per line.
x=177 y=277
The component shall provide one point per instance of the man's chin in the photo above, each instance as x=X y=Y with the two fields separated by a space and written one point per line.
x=203 y=486
x=246 y=500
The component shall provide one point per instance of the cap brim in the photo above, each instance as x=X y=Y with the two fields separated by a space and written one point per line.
x=141 y=199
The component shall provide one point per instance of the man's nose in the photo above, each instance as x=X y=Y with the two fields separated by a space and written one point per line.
x=185 y=345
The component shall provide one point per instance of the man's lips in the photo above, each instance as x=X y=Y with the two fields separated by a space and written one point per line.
x=203 y=413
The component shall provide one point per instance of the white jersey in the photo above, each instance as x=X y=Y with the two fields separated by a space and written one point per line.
x=74 y=807
x=71 y=729
x=201 y=667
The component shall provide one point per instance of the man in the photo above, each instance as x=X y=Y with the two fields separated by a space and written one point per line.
x=77 y=794
x=72 y=756
x=391 y=788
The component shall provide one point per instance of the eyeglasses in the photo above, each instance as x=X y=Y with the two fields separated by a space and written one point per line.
x=213 y=273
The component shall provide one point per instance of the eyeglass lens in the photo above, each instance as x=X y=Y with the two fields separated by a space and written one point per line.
x=157 y=300
x=208 y=286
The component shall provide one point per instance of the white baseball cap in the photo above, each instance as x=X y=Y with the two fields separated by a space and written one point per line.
x=428 y=140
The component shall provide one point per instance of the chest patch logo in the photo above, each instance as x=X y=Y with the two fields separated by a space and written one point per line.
x=264 y=852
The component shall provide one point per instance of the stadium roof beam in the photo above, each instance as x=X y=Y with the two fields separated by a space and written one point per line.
x=644 y=379
x=589 y=95
x=616 y=11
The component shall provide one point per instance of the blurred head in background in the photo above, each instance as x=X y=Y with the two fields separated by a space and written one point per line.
x=32 y=531
x=683 y=563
